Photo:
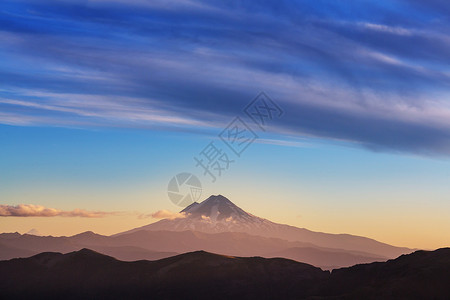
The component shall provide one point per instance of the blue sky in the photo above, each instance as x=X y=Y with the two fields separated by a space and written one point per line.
x=105 y=100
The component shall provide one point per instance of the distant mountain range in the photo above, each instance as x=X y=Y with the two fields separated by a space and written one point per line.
x=152 y=245
x=86 y=274
x=214 y=225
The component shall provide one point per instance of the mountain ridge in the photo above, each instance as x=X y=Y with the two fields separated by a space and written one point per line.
x=153 y=245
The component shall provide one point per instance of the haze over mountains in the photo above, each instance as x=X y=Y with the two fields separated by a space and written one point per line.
x=214 y=225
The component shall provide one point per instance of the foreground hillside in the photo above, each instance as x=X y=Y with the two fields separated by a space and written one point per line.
x=196 y=275
x=201 y=275
x=420 y=275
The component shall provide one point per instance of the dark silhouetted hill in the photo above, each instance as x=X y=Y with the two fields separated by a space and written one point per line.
x=86 y=274
x=420 y=275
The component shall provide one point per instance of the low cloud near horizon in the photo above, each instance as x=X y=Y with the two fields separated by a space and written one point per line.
x=31 y=210
x=164 y=214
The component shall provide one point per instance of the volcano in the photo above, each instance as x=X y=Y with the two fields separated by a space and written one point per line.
x=217 y=214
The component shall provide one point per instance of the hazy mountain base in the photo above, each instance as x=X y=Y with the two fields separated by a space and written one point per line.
x=152 y=245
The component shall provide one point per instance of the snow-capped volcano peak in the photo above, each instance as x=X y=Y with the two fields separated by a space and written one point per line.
x=215 y=214
x=217 y=208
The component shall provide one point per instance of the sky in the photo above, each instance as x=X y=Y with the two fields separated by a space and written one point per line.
x=102 y=102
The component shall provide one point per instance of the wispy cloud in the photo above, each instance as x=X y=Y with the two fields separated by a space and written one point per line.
x=286 y=143
x=31 y=210
x=163 y=214
x=388 y=29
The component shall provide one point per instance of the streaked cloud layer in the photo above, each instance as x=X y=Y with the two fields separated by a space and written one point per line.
x=371 y=73
x=31 y=210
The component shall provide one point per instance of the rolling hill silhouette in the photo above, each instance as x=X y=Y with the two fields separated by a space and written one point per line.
x=202 y=275
x=195 y=275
